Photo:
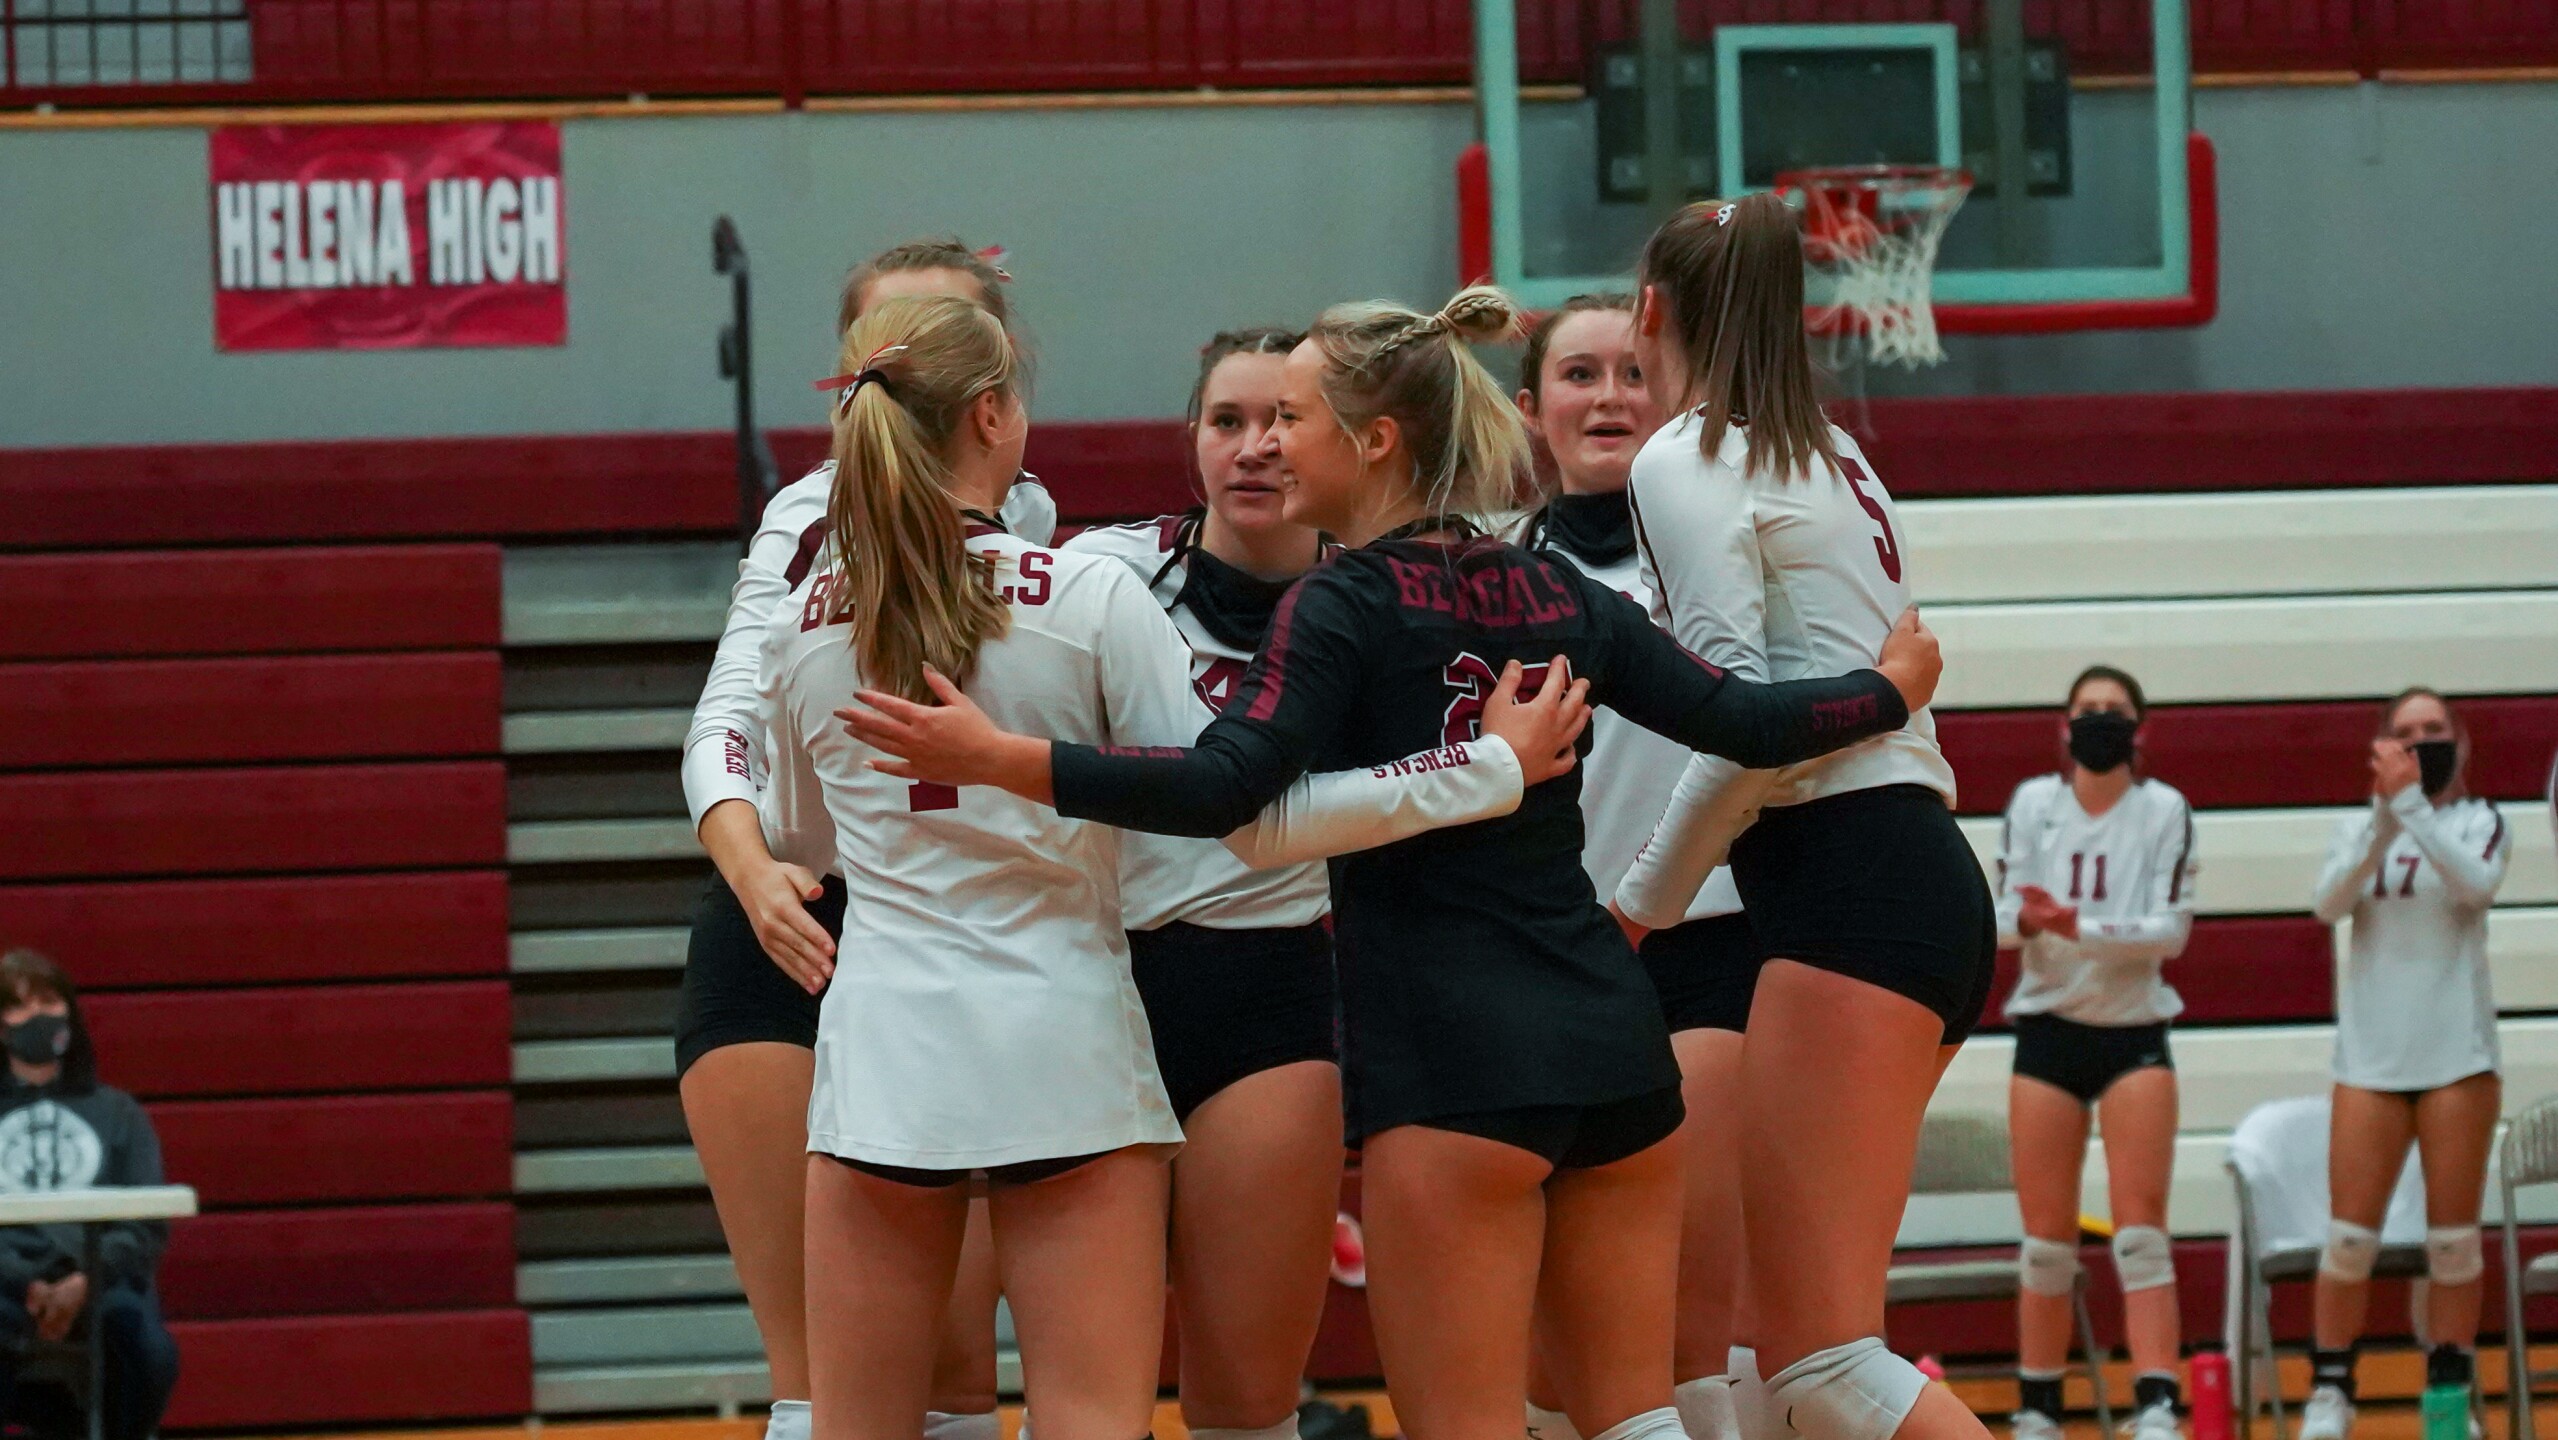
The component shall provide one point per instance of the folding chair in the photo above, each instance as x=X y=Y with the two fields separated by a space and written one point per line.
x=2278 y=1165
x=1965 y=1152
x=2528 y=1155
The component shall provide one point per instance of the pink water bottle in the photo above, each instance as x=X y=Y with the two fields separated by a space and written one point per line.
x=2209 y=1373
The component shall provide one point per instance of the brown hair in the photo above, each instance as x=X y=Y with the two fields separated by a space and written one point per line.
x=1468 y=443
x=1730 y=279
x=1253 y=340
x=2131 y=687
x=1540 y=335
x=2459 y=732
x=942 y=252
x=903 y=573
x=32 y=975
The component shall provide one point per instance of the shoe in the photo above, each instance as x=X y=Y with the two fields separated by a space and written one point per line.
x=1320 y=1419
x=2033 y=1425
x=2327 y=1416
x=2154 y=1422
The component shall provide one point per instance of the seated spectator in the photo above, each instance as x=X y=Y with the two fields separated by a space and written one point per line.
x=62 y=1130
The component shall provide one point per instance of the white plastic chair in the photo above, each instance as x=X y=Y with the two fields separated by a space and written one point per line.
x=2528 y=1155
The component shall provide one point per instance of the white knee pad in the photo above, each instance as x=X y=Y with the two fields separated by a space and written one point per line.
x=1284 y=1430
x=1661 y=1424
x=2047 y=1267
x=1544 y=1424
x=2143 y=1260
x=1753 y=1409
x=2452 y=1254
x=1705 y=1408
x=1856 y=1391
x=788 y=1420
x=2351 y=1251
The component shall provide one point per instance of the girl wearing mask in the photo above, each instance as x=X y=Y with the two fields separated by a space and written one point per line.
x=1775 y=552
x=2415 y=1042
x=2096 y=888
x=1582 y=392
x=1234 y=964
x=1505 y=1063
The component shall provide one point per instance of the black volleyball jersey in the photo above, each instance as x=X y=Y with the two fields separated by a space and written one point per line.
x=1477 y=970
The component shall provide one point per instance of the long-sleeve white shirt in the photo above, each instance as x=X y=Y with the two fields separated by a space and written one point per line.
x=982 y=1011
x=724 y=749
x=2415 y=1009
x=1772 y=578
x=2129 y=872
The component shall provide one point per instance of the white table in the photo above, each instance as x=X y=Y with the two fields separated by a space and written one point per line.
x=89 y=1209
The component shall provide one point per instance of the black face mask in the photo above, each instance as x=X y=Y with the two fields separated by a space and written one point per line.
x=40 y=1039
x=2435 y=762
x=2101 y=740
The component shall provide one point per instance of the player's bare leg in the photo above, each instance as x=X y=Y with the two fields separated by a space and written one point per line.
x=881 y=1256
x=1455 y=1225
x=747 y=1108
x=1082 y=1259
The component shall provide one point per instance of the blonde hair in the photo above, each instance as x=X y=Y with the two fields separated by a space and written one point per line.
x=1469 y=445
x=903 y=574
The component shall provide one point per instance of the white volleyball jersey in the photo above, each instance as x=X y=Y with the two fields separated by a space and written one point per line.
x=1166 y=877
x=2129 y=872
x=2414 y=1008
x=1629 y=773
x=982 y=1012
x=724 y=749
x=1772 y=579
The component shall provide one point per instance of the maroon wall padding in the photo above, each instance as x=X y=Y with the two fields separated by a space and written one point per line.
x=73 y=825
x=123 y=935
x=342 y=1148
x=340 y=1261
x=334 y=1369
x=2229 y=756
x=2249 y=970
x=367 y=489
x=302 y=707
x=243 y=602
x=305 y=1039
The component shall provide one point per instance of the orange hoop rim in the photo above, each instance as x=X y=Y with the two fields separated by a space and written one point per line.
x=1843 y=209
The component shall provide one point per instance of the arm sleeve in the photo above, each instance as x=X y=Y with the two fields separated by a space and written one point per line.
x=1345 y=810
x=2019 y=821
x=2166 y=921
x=1285 y=710
x=129 y=1250
x=724 y=749
x=2471 y=868
x=2351 y=858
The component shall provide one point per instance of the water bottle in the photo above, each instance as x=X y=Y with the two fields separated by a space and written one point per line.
x=2208 y=1374
x=2446 y=1406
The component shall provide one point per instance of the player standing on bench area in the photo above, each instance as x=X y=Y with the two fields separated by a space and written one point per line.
x=2096 y=887
x=1506 y=1066
x=2415 y=1043
x=1772 y=551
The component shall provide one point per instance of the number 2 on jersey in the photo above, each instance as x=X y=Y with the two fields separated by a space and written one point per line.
x=1887 y=546
x=1474 y=679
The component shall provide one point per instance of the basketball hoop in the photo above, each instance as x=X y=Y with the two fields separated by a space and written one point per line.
x=1873 y=230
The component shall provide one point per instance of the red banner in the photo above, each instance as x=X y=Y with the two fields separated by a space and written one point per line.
x=361 y=237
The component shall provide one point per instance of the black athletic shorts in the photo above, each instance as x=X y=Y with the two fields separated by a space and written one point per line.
x=2086 y=1060
x=1025 y=1172
x=1577 y=1137
x=1706 y=971
x=1878 y=885
x=1226 y=1004
x=733 y=993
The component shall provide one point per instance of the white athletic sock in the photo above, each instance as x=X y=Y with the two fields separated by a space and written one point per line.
x=946 y=1425
x=1753 y=1413
x=789 y=1420
x=1284 y=1430
x=1661 y=1424
x=1705 y=1408
x=1544 y=1424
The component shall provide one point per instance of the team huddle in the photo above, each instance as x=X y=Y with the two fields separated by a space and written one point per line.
x=1537 y=790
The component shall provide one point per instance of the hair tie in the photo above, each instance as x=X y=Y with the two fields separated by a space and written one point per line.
x=1723 y=216
x=870 y=374
x=993 y=255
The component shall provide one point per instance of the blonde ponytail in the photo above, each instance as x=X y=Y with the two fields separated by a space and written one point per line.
x=1469 y=447
x=903 y=575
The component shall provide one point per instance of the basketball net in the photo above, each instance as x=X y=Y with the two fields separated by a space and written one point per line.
x=1873 y=232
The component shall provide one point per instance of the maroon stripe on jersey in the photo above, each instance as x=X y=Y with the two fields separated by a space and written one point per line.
x=308 y=707
x=101 y=824
x=340 y=1261
x=331 y=1369
x=2184 y=858
x=1274 y=658
x=306 y=1039
x=455 y=1144
x=2228 y=756
x=249 y=602
x=2495 y=839
x=255 y=932
x=806 y=555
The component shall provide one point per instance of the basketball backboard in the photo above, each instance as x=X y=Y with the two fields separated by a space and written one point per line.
x=2113 y=227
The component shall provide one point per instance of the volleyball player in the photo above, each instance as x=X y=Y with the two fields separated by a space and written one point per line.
x=1235 y=965
x=1506 y=1067
x=1584 y=398
x=1773 y=552
x=2096 y=888
x=2416 y=1049
x=763 y=938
